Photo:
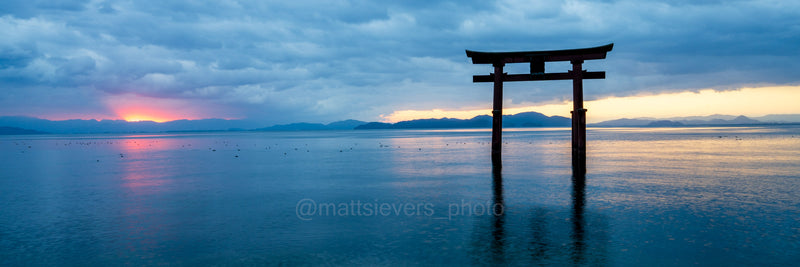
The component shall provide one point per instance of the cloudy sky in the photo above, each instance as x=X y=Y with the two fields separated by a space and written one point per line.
x=321 y=61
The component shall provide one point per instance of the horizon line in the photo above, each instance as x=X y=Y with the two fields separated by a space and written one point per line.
x=422 y=118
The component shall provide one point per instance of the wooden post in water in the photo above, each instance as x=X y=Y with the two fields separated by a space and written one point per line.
x=497 y=114
x=537 y=61
x=578 y=118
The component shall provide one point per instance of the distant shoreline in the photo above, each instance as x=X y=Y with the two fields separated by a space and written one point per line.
x=29 y=126
x=698 y=125
x=589 y=127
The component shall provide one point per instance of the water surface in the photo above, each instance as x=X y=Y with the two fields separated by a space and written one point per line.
x=664 y=196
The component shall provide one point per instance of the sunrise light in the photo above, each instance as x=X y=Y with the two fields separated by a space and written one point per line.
x=146 y=112
x=140 y=117
x=756 y=101
x=135 y=108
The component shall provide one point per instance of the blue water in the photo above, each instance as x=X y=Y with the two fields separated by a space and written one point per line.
x=652 y=196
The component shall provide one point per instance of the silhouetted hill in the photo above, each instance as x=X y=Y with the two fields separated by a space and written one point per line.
x=713 y=120
x=779 y=118
x=345 y=124
x=120 y=126
x=304 y=126
x=15 y=131
x=526 y=119
x=665 y=123
x=743 y=120
x=300 y=126
x=375 y=125
x=30 y=125
x=534 y=119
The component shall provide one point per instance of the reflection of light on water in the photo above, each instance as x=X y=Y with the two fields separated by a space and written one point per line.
x=138 y=175
x=697 y=197
x=142 y=171
x=436 y=155
x=145 y=225
x=142 y=142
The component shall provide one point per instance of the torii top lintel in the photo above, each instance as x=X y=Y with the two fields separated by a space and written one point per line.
x=543 y=56
x=537 y=60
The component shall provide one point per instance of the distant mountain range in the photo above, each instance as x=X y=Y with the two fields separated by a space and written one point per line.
x=526 y=119
x=28 y=125
x=713 y=120
x=304 y=126
x=14 y=130
x=120 y=126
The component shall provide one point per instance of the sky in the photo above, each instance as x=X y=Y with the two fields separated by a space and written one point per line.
x=321 y=61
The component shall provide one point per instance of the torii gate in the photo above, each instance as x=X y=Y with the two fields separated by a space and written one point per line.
x=537 y=60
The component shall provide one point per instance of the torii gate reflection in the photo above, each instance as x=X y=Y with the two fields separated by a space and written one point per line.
x=537 y=61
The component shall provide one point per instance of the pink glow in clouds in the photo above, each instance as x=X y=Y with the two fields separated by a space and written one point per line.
x=131 y=107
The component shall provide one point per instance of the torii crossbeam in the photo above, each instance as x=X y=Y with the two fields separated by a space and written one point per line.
x=537 y=60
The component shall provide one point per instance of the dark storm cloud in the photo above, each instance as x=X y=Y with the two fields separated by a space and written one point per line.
x=328 y=60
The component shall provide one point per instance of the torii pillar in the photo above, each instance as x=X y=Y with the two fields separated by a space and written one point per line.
x=537 y=61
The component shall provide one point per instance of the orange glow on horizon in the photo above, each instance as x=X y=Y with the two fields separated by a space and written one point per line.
x=405 y=115
x=751 y=102
x=135 y=117
x=135 y=108
x=136 y=113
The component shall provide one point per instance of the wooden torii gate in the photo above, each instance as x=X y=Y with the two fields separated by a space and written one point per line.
x=537 y=60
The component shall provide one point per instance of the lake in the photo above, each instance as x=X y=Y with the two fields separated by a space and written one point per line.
x=652 y=196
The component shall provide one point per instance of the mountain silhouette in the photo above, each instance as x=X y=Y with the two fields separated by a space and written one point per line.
x=304 y=126
x=17 y=131
x=30 y=125
x=119 y=126
x=525 y=119
x=712 y=120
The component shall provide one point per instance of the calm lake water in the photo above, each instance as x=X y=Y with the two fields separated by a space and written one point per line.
x=652 y=196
